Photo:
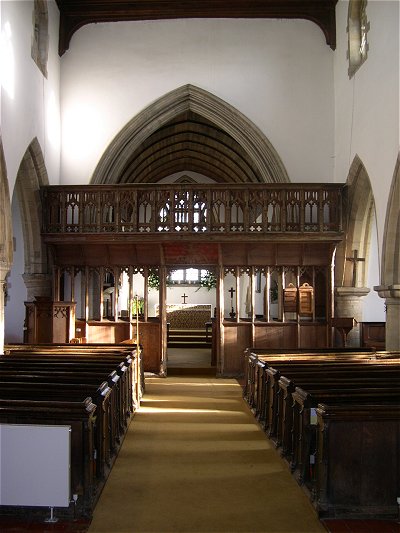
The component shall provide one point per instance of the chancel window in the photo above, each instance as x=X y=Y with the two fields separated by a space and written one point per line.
x=186 y=276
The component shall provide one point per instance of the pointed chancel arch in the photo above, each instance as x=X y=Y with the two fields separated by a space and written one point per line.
x=31 y=176
x=189 y=129
x=353 y=254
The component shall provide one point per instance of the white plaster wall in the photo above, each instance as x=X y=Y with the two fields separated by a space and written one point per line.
x=367 y=106
x=34 y=108
x=279 y=73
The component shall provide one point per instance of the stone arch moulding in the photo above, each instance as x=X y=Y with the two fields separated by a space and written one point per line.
x=190 y=98
x=391 y=242
x=360 y=217
x=31 y=176
x=6 y=247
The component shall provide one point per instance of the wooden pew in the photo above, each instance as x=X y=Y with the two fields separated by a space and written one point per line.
x=95 y=350
x=254 y=358
x=357 y=461
x=118 y=380
x=386 y=392
x=42 y=384
x=368 y=386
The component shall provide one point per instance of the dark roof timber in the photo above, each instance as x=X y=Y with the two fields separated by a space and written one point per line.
x=76 y=13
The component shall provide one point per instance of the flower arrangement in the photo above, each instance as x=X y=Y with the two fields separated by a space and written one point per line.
x=153 y=279
x=208 y=281
x=137 y=306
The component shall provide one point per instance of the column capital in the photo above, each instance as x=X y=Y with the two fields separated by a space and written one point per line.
x=4 y=271
x=351 y=292
x=37 y=285
x=388 y=291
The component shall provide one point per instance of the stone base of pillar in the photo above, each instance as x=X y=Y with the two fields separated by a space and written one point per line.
x=348 y=303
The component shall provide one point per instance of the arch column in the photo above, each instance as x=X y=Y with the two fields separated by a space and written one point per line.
x=37 y=285
x=349 y=303
x=391 y=293
x=3 y=275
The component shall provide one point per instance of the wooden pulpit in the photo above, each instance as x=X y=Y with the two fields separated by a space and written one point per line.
x=49 y=322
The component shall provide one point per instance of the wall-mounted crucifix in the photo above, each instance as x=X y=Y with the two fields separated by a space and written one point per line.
x=355 y=260
x=232 y=314
x=184 y=296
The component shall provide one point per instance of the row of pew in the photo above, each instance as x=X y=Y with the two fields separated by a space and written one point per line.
x=335 y=419
x=93 y=388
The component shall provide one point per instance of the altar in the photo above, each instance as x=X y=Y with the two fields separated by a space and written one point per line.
x=188 y=316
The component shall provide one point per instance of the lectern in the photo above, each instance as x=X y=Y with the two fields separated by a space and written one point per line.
x=344 y=326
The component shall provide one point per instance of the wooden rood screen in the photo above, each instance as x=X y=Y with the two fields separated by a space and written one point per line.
x=245 y=209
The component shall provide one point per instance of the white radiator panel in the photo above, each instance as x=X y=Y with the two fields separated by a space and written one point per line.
x=35 y=465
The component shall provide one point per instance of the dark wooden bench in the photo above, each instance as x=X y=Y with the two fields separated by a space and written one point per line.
x=50 y=385
x=286 y=392
x=255 y=358
x=357 y=460
x=119 y=380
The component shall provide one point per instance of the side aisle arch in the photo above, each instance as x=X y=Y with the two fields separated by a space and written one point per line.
x=360 y=217
x=31 y=176
x=353 y=255
x=390 y=282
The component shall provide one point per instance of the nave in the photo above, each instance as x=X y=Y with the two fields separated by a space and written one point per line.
x=194 y=460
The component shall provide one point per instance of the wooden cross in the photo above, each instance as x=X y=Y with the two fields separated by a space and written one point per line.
x=355 y=259
x=231 y=291
x=184 y=296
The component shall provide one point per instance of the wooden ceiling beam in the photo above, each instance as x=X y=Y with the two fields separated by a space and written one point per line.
x=74 y=13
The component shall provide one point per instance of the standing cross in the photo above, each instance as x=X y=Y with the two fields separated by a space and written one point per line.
x=355 y=259
x=184 y=296
x=231 y=290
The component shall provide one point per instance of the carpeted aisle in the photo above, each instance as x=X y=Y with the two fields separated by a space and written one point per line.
x=194 y=460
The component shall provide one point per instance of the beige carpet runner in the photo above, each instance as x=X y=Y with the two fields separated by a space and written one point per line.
x=194 y=460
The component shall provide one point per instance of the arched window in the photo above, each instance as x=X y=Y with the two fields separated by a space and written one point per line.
x=40 y=37
x=357 y=29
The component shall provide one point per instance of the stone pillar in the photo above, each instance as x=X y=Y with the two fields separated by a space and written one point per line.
x=392 y=295
x=4 y=271
x=3 y=284
x=37 y=285
x=348 y=303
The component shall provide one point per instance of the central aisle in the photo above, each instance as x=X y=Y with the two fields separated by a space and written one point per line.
x=194 y=460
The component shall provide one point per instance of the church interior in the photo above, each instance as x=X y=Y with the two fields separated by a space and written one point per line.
x=199 y=192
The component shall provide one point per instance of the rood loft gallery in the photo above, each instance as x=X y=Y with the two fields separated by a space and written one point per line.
x=231 y=174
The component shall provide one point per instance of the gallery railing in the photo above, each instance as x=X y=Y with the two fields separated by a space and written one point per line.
x=193 y=209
